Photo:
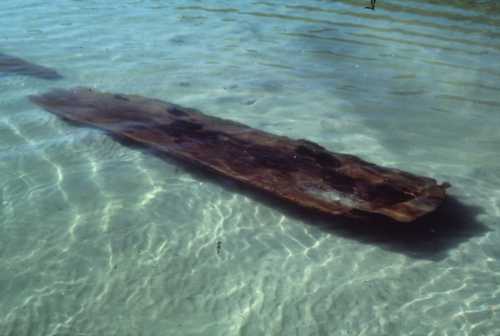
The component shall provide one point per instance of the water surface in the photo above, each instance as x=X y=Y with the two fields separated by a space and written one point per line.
x=97 y=238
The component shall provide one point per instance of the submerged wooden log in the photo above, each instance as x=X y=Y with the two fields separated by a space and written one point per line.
x=16 y=65
x=299 y=171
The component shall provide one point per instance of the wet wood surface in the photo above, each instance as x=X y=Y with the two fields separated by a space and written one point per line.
x=298 y=171
x=15 y=65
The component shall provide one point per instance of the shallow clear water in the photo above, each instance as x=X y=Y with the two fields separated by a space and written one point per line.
x=101 y=239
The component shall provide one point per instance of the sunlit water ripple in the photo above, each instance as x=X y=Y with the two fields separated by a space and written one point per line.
x=101 y=239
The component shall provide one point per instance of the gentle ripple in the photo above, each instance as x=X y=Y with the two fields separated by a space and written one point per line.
x=100 y=239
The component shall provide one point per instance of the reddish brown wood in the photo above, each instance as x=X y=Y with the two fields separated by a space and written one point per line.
x=299 y=171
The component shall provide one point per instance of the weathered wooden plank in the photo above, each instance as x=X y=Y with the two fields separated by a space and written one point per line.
x=299 y=171
x=16 y=65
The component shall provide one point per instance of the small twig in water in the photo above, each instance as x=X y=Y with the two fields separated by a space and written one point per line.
x=372 y=4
